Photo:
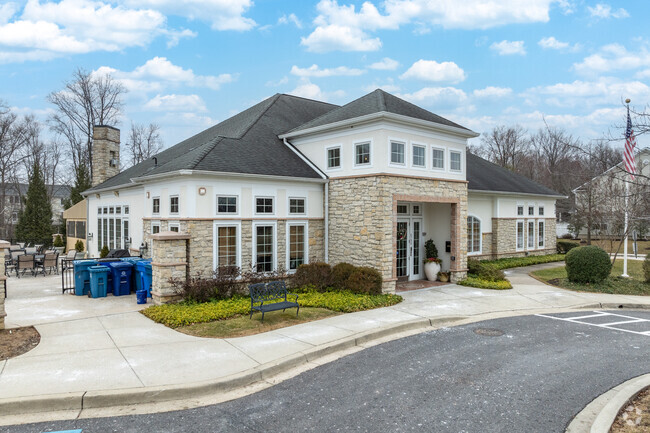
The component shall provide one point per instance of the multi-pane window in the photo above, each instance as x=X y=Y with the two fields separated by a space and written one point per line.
x=264 y=248
x=438 y=158
x=520 y=210
x=540 y=234
x=226 y=246
x=334 y=157
x=296 y=246
x=155 y=205
x=362 y=153
x=520 y=235
x=297 y=206
x=419 y=156
x=397 y=152
x=174 y=227
x=531 y=210
x=473 y=235
x=264 y=204
x=155 y=228
x=540 y=210
x=417 y=209
x=226 y=204
x=531 y=234
x=454 y=160
x=402 y=209
x=173 y=204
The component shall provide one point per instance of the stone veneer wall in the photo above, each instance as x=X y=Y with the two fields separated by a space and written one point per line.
x=504 y=238
x=362 y=215
x=106 y=139
x=170 y=252
x=3 y=281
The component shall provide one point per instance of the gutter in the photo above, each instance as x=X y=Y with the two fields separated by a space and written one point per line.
x=143 y=179
x=479 y=191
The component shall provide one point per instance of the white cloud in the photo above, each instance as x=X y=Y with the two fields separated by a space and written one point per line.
x=309 y=90
x=315 y=71
x=390 y=88
x=280 y=82
x=339 y=38
x=385 y=64
x=492 y=92
x=449 y=14
x=291 y=18
x=507 y=48
x=221 y=14
x=159 y=73
x=605 y=11
x=442 y=97
x=176 y=103
x=174 y=36
x=7 y=11
x=430 y=70
x=613 y=57
x=550 y=43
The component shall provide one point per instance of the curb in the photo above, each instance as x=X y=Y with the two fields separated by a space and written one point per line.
x=599 y=415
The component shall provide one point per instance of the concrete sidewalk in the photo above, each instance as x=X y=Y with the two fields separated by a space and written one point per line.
x=110 y=355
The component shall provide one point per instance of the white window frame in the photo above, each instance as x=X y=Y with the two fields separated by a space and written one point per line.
x=421 y=146
x=444 y=158
x=215 y=242
x=170 y=204
x=408 y=209
x=528 y=243
x=174 y=224
x=528 y=208
x=304 y=199
x=306 y=247
x=543 y=233
x=419 y=213
x=273 y=204
x=155 y=224
x=370 y=155
x=480 y=237
x=523 y=235
x=460 y=162
x=256 y=224
x=327 y=157
x=390 y=152
x=523 y=210
x=236 y=197
x=153 y=199
x=540 y=210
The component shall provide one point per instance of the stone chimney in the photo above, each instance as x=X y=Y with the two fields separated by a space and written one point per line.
x=106 y=153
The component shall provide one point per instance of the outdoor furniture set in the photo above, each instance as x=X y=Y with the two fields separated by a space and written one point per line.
x=22 y=260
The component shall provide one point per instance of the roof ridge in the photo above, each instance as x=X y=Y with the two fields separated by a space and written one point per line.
x=211 y=145
x=275 y=99
x=382 y=100
x=307 y=99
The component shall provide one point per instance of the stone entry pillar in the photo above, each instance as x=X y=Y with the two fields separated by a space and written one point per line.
x=169 y=259
x=3 y=281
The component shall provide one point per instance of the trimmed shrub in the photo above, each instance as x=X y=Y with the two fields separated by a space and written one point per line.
x=485 y=270
x=316 y=274
x=58 y=242
x=566 y=236
x=340 y=274
x=485 y=284
x=79 y=246
x=515 y=262
x=366 y=280
x=104 y=252
x=564 y=247
x=589 y=264
x=646 y=268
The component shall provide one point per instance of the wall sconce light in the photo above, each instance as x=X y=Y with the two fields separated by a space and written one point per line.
x=89 y=237
x=143 y=248
x=202 y=190
x=117 y=193
x=98 y=196
x=148 y=194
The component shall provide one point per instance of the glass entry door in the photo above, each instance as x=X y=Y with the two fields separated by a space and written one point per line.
x=403 y=249
x=409 y=249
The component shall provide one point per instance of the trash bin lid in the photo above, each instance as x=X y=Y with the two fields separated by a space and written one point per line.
x=98 y=269
x=84 y=262
x=120 y=264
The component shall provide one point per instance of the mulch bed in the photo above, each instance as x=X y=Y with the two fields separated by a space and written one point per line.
x=14 y=342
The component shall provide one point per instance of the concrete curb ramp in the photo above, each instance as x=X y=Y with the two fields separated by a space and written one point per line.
x=599 y=415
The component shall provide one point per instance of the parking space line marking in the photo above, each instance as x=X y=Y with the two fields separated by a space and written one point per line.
x=624 y=321
x=563 y=319
x=586 y=317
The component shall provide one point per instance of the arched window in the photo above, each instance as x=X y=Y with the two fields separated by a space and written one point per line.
x=473 y=235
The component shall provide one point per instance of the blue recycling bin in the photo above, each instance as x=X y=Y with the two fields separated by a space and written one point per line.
x=82 y=276
x=121 y=277
x=106 y=262
x=135 y=277
x=141 y=296
x=98 y=281
x=144 y=276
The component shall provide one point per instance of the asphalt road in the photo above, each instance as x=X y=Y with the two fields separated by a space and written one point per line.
x=522 y=374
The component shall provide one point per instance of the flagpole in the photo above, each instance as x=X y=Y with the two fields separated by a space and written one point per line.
x=627 y=194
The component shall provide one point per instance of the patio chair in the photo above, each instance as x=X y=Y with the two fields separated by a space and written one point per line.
x=21 y=245
x=25 y=262
x=71 y=254
x=50 y=261
x=10 y=264
x=31 y=250
x=38 y=247
x=80 y=255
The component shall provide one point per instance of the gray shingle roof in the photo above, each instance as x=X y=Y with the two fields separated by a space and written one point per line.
x=483 y=175
x=376 y=102
x=58 y=191
x=245 y=143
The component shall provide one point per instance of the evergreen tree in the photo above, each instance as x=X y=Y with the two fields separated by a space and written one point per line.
x=81 y=183
x=35 y=221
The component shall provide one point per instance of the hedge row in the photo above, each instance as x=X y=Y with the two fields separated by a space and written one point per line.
x=485 y=284
x=344 y=276
x=515 y=262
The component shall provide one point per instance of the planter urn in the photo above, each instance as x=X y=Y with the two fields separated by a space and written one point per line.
x=431 y=270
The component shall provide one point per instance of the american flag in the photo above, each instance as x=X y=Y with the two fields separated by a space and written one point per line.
x=630 y=144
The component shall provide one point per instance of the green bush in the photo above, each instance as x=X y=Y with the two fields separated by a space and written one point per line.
x=564 y=247
x=340 y=274
x=58 y=242
x=430 y=250
x=646 y=268
x=104 y=251
x=589 y=264
x=79 y=246
x=485 y=284
x=485 y=270
x=316 y=274
x=515 y=262
x=365 y=279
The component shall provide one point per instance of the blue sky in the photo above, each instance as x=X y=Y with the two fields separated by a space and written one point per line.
x=481 y=63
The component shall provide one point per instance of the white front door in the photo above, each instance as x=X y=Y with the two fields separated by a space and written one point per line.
x=416 y=249
x=409 y=249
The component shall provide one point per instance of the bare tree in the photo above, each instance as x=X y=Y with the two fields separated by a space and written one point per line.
x=505 y=145
x=143 y=142
x=85 y=101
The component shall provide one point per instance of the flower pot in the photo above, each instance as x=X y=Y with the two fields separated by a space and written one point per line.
x=444 y=278
x=431 y=270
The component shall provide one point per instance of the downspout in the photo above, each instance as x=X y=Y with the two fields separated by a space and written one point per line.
x=327 y=226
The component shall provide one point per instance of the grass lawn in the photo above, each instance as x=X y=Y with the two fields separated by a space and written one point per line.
x=611 y=246
x=241 y=326
x=613 y=284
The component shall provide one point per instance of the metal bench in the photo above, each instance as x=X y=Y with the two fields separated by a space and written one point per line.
x=266 y=295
